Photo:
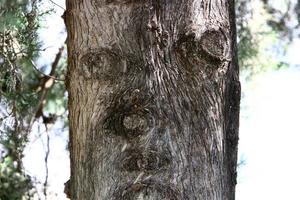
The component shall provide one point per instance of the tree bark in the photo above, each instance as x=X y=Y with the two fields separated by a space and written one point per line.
x=153 y=99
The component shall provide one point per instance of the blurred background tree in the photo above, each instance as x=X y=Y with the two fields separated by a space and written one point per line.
x=265 y=31
x=26 y=91
x=31 y=94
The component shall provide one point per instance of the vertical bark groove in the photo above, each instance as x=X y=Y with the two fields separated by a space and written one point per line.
x=153 y=99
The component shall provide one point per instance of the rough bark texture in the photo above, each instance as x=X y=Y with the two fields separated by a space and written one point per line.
x=153 y=99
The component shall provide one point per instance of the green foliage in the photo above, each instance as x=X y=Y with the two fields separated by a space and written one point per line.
x=255 y=38
x=14 y=185
x=19 y=21
x=18 y=45
x=262 y=30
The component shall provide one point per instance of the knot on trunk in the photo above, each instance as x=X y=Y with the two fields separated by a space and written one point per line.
x=213 y=42
x=135 y=122
x=129 y=115
x=104 y=64
x=67 y=189
x=100 y=64
x=129 y=124
x=205 y=54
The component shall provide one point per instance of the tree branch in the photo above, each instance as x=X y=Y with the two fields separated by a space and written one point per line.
x=46 y=83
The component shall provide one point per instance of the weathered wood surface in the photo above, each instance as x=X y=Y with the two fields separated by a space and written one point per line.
x=153 y=99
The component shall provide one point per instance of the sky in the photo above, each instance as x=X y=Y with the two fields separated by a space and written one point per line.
x=269 y=137
x=269 y=129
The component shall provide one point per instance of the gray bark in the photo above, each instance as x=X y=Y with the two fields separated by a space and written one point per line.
x=153 y=99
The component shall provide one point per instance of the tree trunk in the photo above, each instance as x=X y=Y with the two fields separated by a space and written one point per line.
x=153 y=99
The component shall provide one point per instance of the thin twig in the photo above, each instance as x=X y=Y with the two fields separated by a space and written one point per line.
x=57 y=4
x=1 y=13
x=46 y=162
x=35 y=67
x=45 y=89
